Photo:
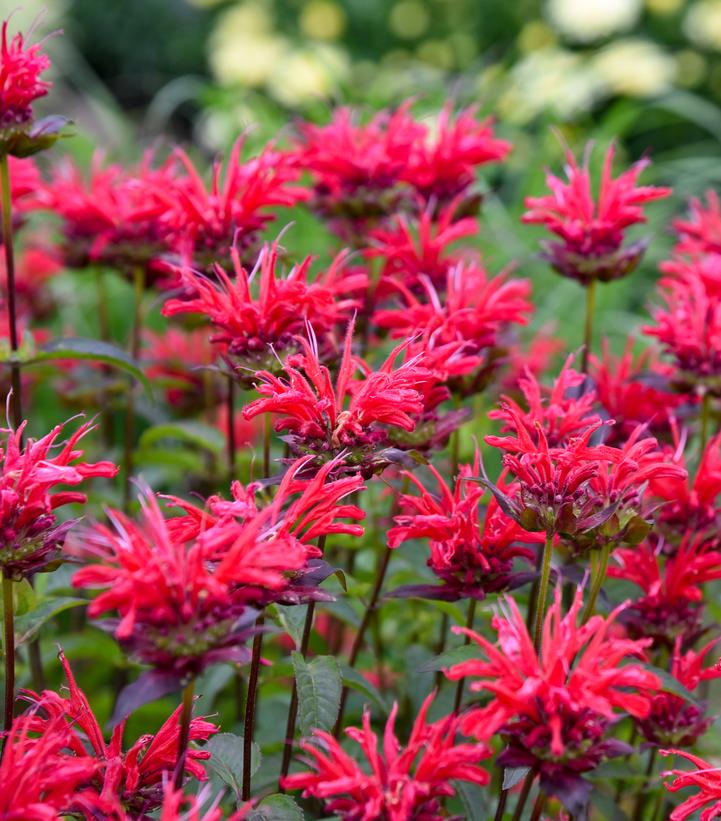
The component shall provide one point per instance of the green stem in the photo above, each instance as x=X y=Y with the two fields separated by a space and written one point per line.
x=598 y=580
x=9 y=647
x=540 y=607
x=469 y=624
x=129 y=439
x=293 y=709
x=11 y=295
x=230 y=405
x=523 y=797
x=538 y=806
x=502 y=801
x=705 y=414
x=588 y=325
x=440 y=648
x=360 y=635
x=250 y=708
x=266 y=447
x=186 y=717
x=641 y=797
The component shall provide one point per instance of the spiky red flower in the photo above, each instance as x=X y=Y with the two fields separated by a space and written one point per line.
x=416 y=250
x=129 y=781
x=20 y=85
x=443 y=166
x=256 y=327
x=112 y=216
x=561 y=411
x=358 y=169
x=30 y=535
x=177 y=806
x=706 y=777
x=350 y=416
x=554 y=707
x=203 y=222
x=700 y=233
x=673 y=720
x=592 y=230
x=38 y=780
x=672 y=603
x=634 y=391
x=401 y=783
x=473 y=310
x=688 y=327
x=471 y=557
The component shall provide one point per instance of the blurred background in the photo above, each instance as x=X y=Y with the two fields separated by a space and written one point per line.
x=647 y=73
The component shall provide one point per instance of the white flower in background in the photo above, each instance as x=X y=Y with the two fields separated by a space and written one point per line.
x=584 y=21
x=636 y=68
x=702 y=24
x=552 y=80
x=306 y=73
x=244 y=47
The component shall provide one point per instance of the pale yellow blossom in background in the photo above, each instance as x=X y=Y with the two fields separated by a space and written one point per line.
x=584 y=21
x=636 y=68
x=702 y=24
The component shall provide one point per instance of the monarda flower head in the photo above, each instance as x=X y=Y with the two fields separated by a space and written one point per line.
x=700 y=232
x=688 y=328
x=472 y=550
x=706 y=777
x=129 y=783
x=674 y=721
x=442 y=166
x=634 y=390
x=398 y=783
x=554 y=707
x=351 y=416
x=415 y=251
x=671 y=607
x=204 y=222
x=257 y=325
x=358 y=169
x=31 y=537
x=592 y=230
x=112 y=215
x=474 y=310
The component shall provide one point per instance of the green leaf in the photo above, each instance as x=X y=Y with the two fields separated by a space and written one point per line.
x=226 y=759
x=475 y=800
x=277 y=807
x=194 y=433
x=669 y=684
x=319 y=685
x=28 y=624
x=513 y=776
x=95 y=350
x=449 y=658
x=353 y=679
x=291 y=619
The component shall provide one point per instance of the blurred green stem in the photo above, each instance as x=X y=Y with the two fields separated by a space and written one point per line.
x=230 y=404
x=598 y=578
x=11 y=296
x=540 y=608
x=250 y=708
x=186 y=716
x=135 y=336
x=469 y=624
x=9 y=648
x=588 y=326
x=705 y=414
x=523 y=797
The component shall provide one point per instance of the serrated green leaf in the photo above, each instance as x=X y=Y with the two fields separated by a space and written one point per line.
x=449 y=658
x=28 y=624
x=319 y=685
x=93 y=349
x=475 y=800
x=277 y=807
x=291 y=619
x=194 y=433
x=353 y=679
x=226 y=759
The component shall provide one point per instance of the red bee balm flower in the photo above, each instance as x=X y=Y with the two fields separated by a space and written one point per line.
x=403 y=783
x=129 y=781
x=30 y=535
x=706 y=777
x=554 y=707
x=256 y=329
x=701 y=232
x=471 y=558
x=314 y=410
x=592 y=231
x=20 y=83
